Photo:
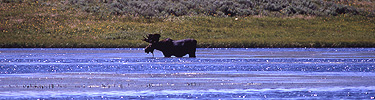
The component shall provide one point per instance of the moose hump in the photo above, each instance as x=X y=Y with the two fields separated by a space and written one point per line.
x=171 y=47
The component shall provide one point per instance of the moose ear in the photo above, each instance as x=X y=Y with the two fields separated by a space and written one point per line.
x=157 y=36
x=154 y=37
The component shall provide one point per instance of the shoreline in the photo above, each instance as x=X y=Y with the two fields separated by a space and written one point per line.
x=370 y=45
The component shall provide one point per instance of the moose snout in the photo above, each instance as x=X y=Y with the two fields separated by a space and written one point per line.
x=148 y=49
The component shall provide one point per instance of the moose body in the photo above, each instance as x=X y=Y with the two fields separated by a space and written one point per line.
x=169 y=47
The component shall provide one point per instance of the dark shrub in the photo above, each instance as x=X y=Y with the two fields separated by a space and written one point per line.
x=162 y=8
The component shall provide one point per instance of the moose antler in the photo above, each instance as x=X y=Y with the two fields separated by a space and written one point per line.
x=145 y=39
x=148 y=38
x=151 y=38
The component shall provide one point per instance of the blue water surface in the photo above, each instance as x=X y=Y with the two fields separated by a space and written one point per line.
x=15 y=61
x=134 y=60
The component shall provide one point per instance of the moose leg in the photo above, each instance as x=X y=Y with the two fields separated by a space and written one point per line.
x=167 y=54
x=192 y=54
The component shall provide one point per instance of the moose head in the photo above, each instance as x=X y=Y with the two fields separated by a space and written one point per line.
x=170 y=47
x=151 y=38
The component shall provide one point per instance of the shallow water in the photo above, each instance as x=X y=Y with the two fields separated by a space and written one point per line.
x=289 y=73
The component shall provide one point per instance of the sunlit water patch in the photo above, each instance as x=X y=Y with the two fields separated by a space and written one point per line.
x=135 y=60
x=326 y=93
x=351 y=62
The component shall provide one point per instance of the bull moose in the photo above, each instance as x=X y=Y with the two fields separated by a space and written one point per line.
x=170 y=47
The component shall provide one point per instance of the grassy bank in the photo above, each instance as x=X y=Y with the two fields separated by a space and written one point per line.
x=33 y=24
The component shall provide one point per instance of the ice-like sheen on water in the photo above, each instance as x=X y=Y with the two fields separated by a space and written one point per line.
x=220 y=59
x=216 y=73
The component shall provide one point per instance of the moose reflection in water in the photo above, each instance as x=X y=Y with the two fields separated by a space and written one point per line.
x=170 y=47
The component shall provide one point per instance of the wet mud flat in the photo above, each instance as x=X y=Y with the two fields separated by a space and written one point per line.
x=42 y=84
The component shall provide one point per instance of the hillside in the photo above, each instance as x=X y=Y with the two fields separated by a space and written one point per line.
x=214 y=23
